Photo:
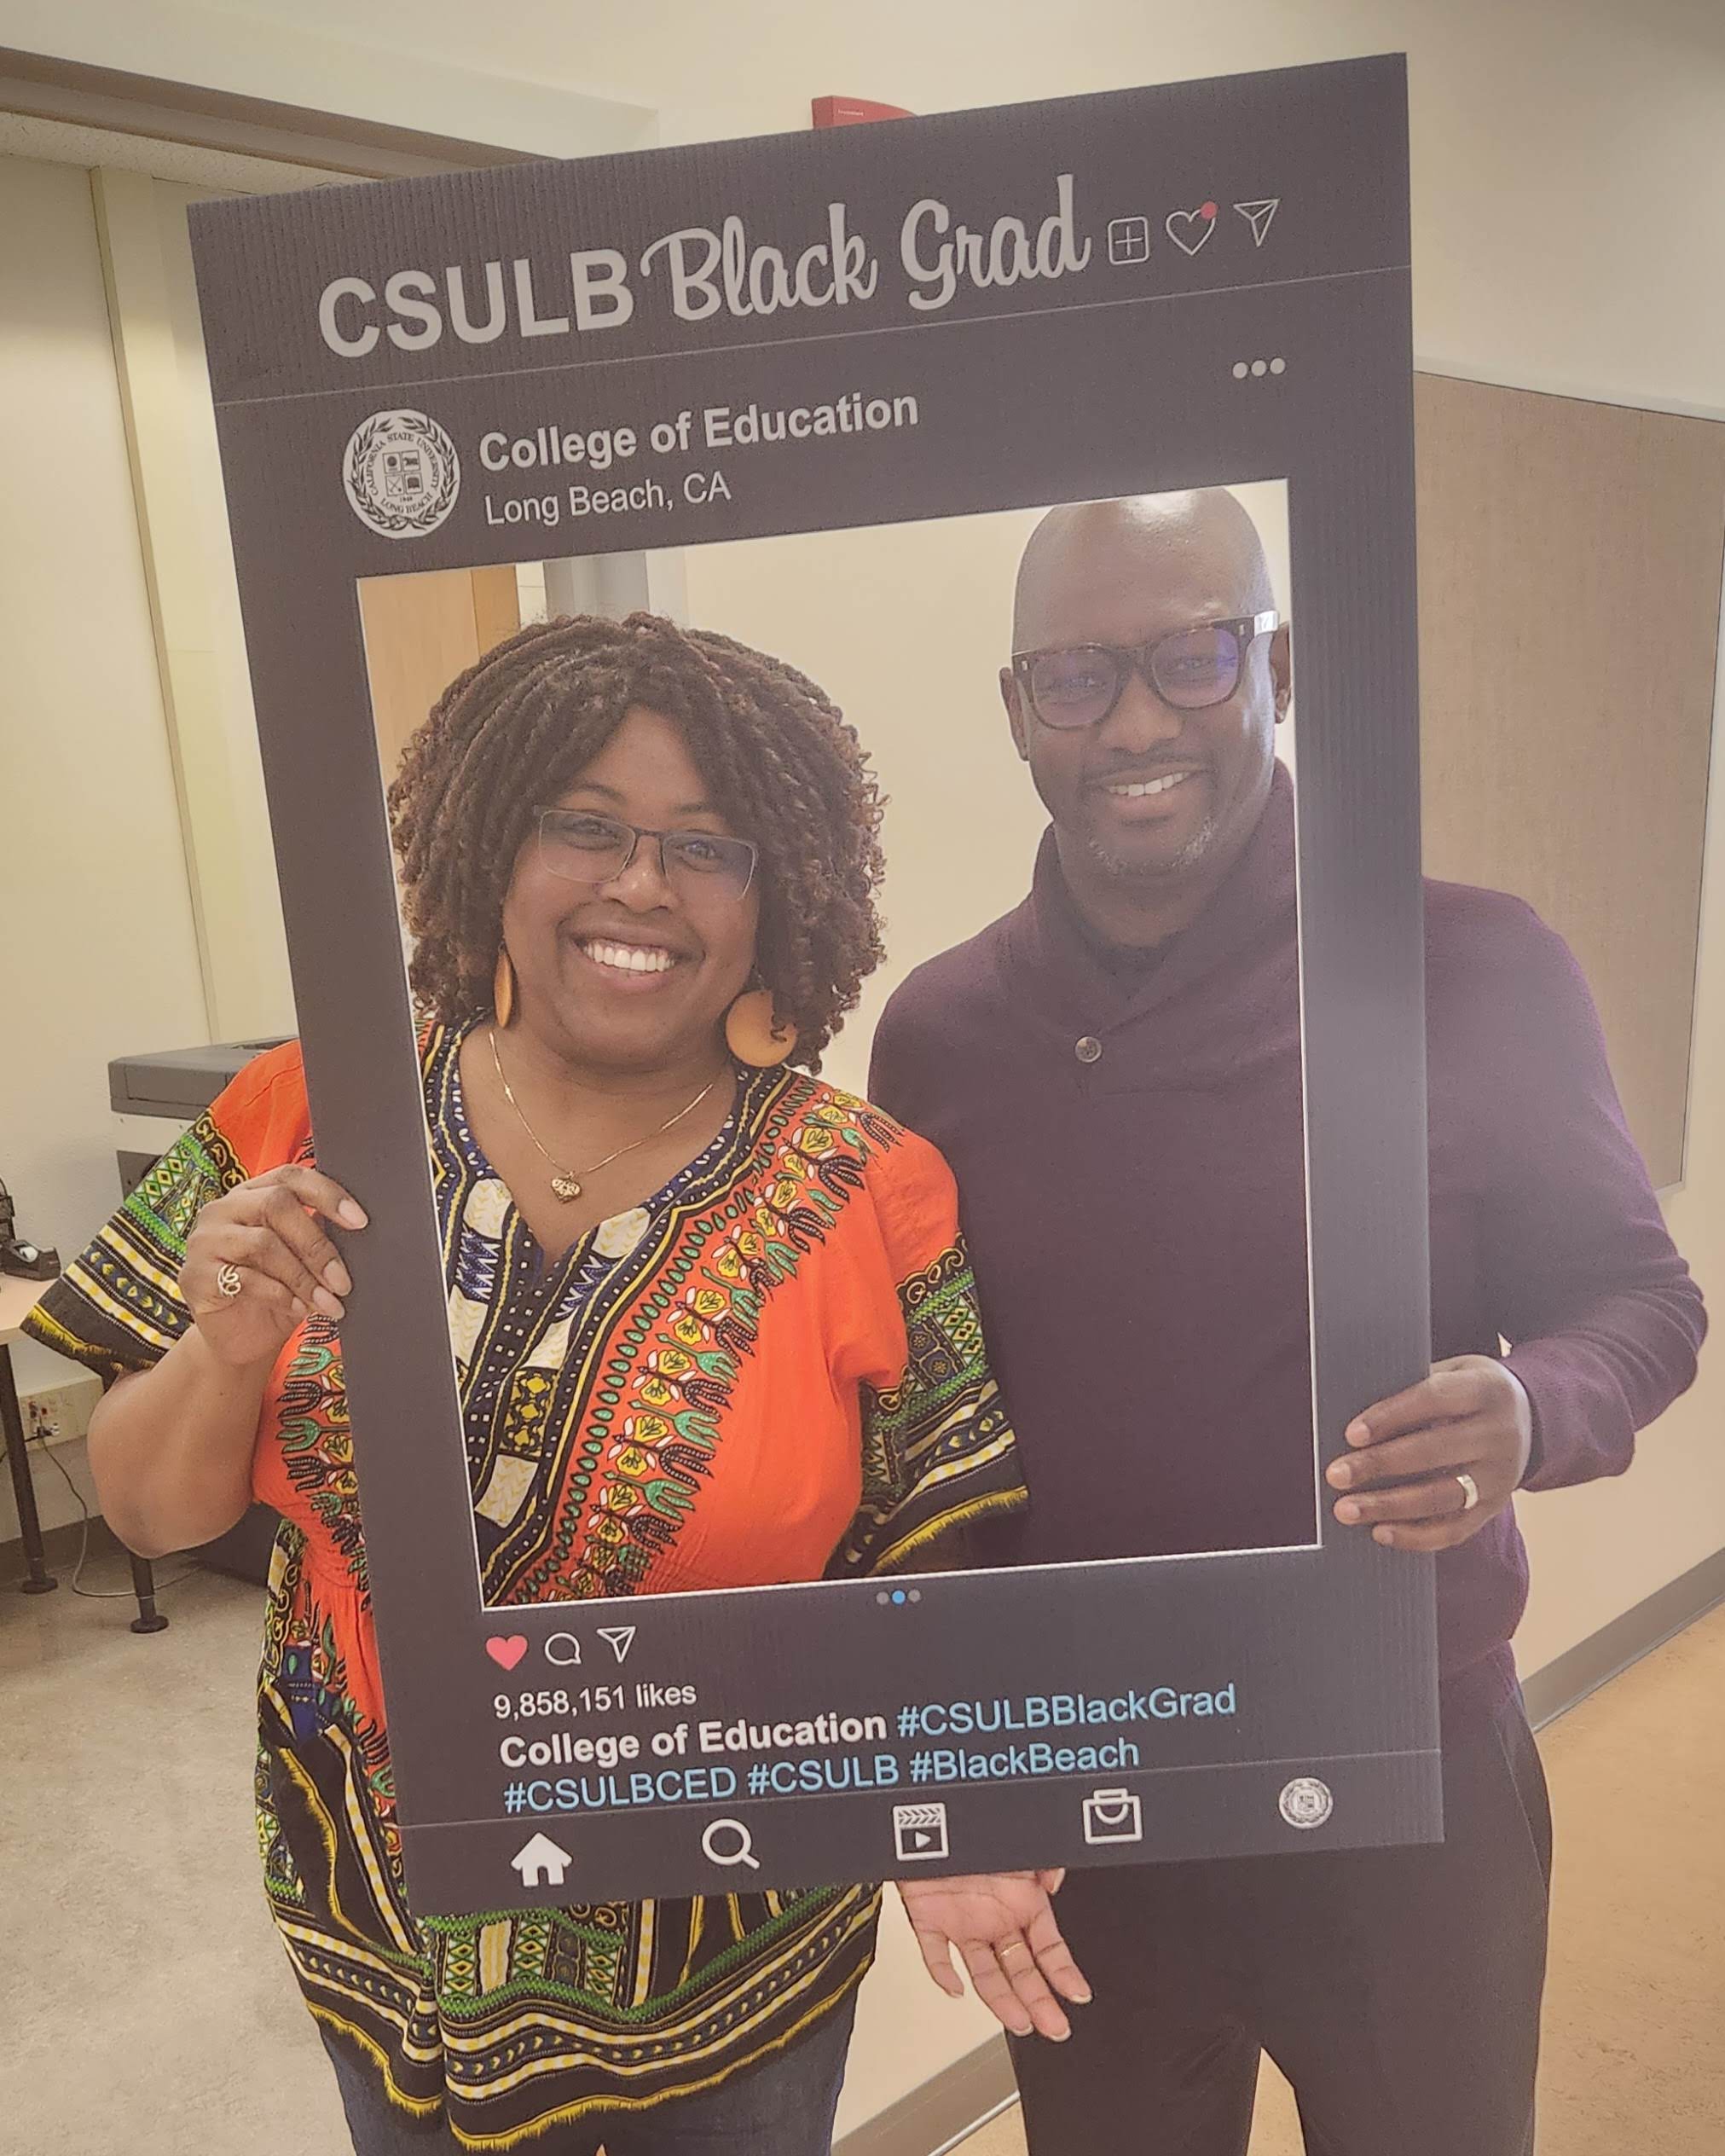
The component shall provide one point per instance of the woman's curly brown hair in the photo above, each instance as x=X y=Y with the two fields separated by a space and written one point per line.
x=514 y=732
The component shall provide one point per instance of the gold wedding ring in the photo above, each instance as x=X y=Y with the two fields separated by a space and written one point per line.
x=1470 y=1490
x=229 y=1280
x=1011 y=1945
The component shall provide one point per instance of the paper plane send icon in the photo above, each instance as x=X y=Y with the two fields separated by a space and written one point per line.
x=541 y=1863
x=1257 y=214
x=620 y=1636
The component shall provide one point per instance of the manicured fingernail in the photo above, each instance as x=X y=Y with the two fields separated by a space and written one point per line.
x=352 y=1215
x=327 y=1304
x=1385 y=1535
x=1358 y=1433
x=1084 y=1997
x=337 y=1276
x=1340 y=1473
x=1348 y=1510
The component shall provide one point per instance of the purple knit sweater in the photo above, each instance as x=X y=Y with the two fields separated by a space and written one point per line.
x=1134 y=1210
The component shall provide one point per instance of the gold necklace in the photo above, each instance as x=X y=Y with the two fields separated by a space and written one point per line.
x=565 y=1183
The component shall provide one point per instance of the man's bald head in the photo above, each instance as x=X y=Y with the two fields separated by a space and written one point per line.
x=1152 y=800
x=1202 y=539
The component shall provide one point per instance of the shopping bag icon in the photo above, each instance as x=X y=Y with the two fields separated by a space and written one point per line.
x=1113 y=1815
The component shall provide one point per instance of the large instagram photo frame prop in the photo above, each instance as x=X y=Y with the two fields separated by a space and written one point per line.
x=1173 y=238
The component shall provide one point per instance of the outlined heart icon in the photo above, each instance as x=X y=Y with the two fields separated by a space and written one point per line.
x=506 y=1652
x=1188 y=229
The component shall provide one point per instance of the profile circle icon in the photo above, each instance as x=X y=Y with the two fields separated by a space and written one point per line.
x=1305 y=1801
x=402 y=474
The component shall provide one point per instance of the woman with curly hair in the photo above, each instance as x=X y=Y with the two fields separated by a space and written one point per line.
x=713 y=1324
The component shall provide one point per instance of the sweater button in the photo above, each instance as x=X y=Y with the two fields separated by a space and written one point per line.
x=1088 y=1050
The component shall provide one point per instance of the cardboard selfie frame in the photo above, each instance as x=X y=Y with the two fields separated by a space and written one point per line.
x=1207 y=284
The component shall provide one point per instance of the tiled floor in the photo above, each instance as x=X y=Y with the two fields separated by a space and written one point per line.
x=1634 y=2020
x=147 y=2010
x=146 y=2004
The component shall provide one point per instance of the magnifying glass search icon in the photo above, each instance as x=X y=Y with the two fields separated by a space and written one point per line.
x=742 y=1853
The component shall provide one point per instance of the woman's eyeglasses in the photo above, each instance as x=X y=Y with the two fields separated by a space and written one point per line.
x=584 y=848
x=1077 y=685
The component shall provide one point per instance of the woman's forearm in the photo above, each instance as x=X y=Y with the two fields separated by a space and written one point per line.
x=170 y=1448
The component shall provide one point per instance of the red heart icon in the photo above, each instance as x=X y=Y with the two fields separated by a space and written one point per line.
x=507 y=1652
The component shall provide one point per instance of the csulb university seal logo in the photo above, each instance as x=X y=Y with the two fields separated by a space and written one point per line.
x=1305 y=1802
x=402 y=474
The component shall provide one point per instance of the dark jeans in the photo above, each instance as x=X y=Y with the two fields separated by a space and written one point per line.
x=785 y=2105
x=1399 y=1990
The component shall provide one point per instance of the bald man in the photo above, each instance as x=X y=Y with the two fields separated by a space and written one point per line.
x=1113 y=1070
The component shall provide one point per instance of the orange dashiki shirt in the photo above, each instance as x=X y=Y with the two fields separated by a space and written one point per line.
x=806 y=1395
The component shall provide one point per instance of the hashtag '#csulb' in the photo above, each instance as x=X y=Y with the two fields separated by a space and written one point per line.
x=757 y=1779
x=515 y=1797
x=910 y=1720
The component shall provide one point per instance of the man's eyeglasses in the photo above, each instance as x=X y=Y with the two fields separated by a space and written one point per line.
x=1077 y=685
x=584 y=848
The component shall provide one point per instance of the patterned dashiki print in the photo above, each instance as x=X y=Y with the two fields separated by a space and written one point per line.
x=794 y=1313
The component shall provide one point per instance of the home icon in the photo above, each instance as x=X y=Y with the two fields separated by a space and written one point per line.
x=541 y=1863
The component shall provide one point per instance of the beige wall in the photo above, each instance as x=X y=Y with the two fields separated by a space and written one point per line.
x=907 y=628
x=249 y=992
x=352 y=61
x=1566 y=152
x=98 y=954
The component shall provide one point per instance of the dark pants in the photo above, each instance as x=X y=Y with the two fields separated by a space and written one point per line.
x=1397 y=1990
x=785 y=2104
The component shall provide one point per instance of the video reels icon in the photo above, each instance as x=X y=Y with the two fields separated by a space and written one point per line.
x=919 y=1832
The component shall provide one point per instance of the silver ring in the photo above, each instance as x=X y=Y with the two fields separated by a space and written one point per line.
x=1470 y=1490
x=229 y=1280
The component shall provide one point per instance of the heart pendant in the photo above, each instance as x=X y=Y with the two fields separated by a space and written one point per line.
x=565 y=1187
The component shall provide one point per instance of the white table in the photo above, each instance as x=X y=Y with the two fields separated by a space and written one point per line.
x=17 y=1299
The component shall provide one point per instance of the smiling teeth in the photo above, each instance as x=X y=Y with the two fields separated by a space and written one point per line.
x=1139 y=788
x=628 y=958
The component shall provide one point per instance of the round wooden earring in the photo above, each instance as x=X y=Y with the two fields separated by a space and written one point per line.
x=503 y=987
x=751 y=1034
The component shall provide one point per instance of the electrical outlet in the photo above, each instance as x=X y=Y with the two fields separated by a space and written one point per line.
x=59 y=1414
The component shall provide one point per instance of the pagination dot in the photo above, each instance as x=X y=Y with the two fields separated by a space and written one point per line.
x=1277 y=365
